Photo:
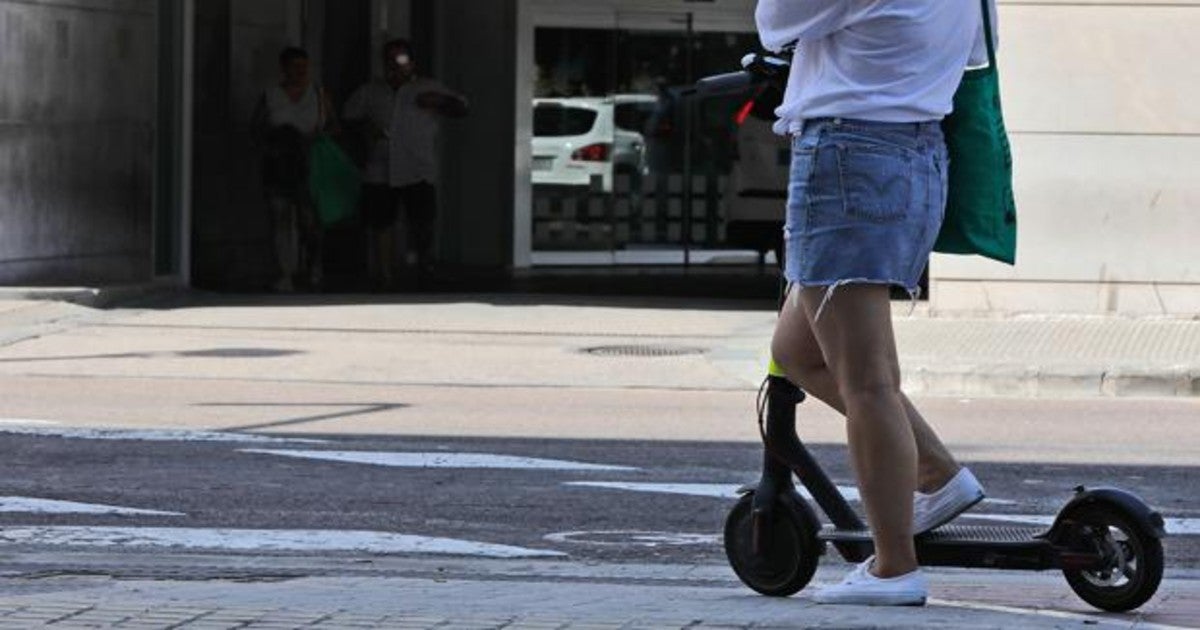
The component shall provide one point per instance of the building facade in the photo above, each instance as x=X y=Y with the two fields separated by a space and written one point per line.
x=125 y=153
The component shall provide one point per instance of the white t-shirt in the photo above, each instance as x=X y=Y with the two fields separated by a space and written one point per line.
x=409 y=151
x=375 y=102
x=304 y=114
x=881 y=60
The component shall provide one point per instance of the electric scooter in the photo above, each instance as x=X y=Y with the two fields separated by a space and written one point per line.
x=1107 y=542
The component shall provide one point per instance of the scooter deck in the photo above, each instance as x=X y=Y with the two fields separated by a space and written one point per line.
x=979 y=546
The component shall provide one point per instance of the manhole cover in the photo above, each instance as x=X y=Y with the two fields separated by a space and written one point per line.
x=643 y=351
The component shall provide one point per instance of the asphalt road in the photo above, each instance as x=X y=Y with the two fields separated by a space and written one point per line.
x=657 y=502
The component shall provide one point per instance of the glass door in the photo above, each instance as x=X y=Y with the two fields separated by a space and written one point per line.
x=626 y=170
x=574 y=146
x=653 y=210
x=715 y=176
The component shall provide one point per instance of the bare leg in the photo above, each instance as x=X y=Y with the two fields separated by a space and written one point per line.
x=935 y=465
x=312 y=236
x=287 y=246
x=385 y=255
x=795 y=349
x=856 y=338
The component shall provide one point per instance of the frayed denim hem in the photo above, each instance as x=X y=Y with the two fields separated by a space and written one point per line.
x=914 y=292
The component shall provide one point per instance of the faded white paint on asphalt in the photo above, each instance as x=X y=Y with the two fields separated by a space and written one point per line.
x=633 y=538
x=440 y=460
x=718 y=490
x=306 y=540
x=29 y=505
x=152 y=435
x=713 y=490
x=1080 y=618
x=1174 y=526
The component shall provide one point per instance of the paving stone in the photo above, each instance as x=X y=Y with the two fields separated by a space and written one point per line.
x=412 y=624
x=32 y=617
x=417 y=621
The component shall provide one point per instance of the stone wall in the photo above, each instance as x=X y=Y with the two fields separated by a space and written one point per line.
x=77 y=95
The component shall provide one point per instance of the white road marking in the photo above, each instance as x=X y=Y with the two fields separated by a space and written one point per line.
x=154 y=435
x=717 y=490
x=1091 y=620
x=21 y=422
x=439 y=460
x=713 y=490
x=1175 y=526
x=635 y=538
x=29 y=505
x=306 y=540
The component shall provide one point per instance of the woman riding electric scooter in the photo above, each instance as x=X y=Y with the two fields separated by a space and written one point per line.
x=868 y=187
x=869 y=88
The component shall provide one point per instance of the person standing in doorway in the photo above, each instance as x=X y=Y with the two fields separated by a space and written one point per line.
x=401 y=116
x=870 y=85
x=287 y=119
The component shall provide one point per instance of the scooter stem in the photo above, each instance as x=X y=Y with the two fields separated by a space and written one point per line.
x=785 y=453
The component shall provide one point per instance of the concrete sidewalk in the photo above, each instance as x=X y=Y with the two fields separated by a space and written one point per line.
x=1023 y=357
x=445 y=594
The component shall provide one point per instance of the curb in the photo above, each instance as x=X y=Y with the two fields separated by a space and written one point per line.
x=1004 y=380
x=1025 y=381
x=40 y=311
x=91 y=297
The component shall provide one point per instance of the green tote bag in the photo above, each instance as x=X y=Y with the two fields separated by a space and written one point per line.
x=981 y=214
x=334 y=181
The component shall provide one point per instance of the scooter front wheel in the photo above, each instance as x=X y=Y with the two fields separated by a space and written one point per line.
x=1133 y=560
x=783 y=559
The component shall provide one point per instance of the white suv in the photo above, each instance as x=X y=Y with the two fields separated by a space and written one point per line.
x=576 y=139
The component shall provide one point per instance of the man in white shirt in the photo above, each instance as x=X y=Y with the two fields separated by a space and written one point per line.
x=401 y=116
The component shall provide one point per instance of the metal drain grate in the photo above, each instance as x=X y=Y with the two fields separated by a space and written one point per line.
x=646 y=351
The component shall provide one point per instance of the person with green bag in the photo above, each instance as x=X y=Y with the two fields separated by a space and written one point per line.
x=870 y=85
x=289 y=117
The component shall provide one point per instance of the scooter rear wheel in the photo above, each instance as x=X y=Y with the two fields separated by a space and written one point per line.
x=1134 y=560
x=787 y=558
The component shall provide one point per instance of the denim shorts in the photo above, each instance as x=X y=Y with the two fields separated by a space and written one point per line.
x=865 y=202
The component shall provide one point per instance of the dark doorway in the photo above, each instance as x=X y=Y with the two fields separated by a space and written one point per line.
x=237 y=48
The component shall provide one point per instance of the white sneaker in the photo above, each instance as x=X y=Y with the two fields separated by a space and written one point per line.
x=931 y=511
x=860 y=588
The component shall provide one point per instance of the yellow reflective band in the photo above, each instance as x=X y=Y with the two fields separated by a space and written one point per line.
x=775 y=370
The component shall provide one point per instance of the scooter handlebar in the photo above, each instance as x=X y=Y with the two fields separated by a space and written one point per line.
x=757 y=68
x=727 y=83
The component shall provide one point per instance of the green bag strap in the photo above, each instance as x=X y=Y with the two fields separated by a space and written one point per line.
x=987 y=34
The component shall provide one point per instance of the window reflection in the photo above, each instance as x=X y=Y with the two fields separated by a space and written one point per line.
x=611 y=140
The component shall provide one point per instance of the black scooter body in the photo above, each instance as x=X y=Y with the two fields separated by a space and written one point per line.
x=1112 y=574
